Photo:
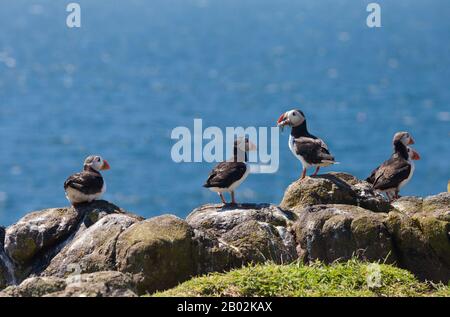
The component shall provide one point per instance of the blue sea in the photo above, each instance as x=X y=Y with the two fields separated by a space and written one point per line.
x=137 y=69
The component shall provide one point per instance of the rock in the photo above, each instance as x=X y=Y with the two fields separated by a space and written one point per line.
x=408 y=204
x=98 y=209
x=411 y=236
x=232 y=236
x=3 y=280
x=3 y=268
x=422 y=233
x=158 y=251
x=217 y=220
x=38 y=237
x=333 y=188
x=6 y=270
x=99 y=284
x=259 y=242
x=38 y=231
x=437 y=234
x=437 y=202
x=6 y=266
x=212 y=254
x=339 y=232
x=422 y=245
x=91 y=250
x=35 y=287
x=2 y=237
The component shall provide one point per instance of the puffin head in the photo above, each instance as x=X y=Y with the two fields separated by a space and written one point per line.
x=292 y=118
x=412 y=154
x=403 y=137
x=96 y=162
x=244 y=144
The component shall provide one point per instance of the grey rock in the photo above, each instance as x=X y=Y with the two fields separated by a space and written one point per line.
x=38 y=231
x=158 y=252
x=422 y=244
x=333 y=188
x=3 y=268
x=99 y=284
x=339 y=232
x=92 y=249
x=231 y=236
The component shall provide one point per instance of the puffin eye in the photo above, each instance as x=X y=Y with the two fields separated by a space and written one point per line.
x=294 y=114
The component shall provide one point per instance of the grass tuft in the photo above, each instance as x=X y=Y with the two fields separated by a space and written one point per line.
x=352 y=278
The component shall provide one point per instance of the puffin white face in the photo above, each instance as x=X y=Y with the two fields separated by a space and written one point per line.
x=403 y=137
x=245 y=145
x=291 y=118
x=412 y=154
x=96 y=162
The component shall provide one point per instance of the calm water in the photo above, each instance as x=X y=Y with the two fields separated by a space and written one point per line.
x=137 y=69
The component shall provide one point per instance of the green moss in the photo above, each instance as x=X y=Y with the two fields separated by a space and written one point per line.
x=339 y=279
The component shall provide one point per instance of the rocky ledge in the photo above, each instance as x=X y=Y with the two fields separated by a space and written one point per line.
x=101 y=250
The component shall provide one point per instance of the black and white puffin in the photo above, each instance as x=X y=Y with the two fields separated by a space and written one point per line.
x=309 y=149
x=398 y=170
x=228 y=175
x=87 y=185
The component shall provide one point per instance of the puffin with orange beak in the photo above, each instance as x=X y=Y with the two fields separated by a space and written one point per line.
x=309 y=149
x=228 y=175
x=396 y=172
x=88 y=185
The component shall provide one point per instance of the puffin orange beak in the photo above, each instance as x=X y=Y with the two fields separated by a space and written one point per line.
x=411 y=141
x=105 y=165
x=415 y=156
x=282 y=120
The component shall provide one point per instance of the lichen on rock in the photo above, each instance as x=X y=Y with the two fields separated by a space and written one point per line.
x=39 y=231
x=157 y=251
x=99 y=284
x=241 y=234
x=333 y=188
x=339 y=232
x=91 y=250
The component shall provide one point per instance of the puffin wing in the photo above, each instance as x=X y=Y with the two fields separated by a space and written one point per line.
x=225 y=174
x=314 y=151
x=391 y=173
x=371 y=178
x=85 y=182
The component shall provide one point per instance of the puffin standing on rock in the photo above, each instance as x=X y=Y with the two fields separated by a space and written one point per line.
x=228 y=175
x=396 y=172
x=88 y=185
x=309 y=149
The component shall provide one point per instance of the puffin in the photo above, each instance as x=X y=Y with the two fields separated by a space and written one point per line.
x=398 y=170
x=228 y=175
x=88 y=185
x=309 y=149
